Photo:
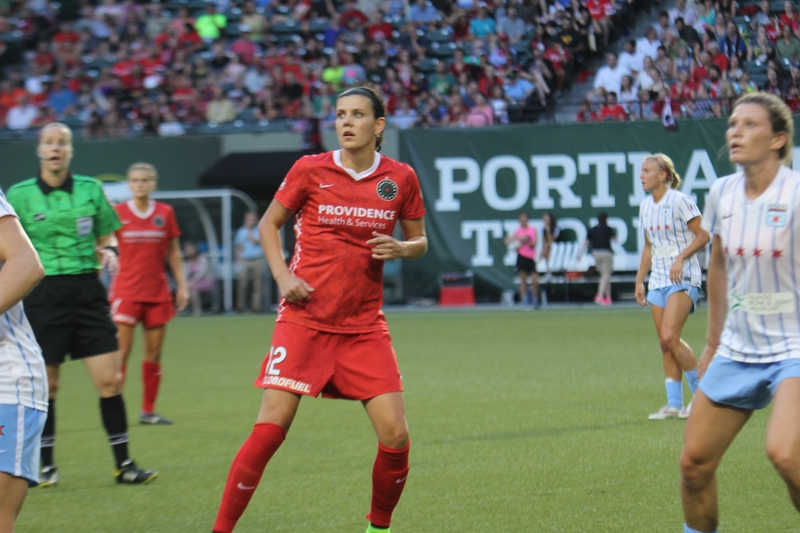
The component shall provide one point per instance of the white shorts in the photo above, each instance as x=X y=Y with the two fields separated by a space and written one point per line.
x=20 y=441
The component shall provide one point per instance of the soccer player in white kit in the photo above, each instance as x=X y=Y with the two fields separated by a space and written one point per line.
x=23 y=378
x=752 y=357
x=673 y=235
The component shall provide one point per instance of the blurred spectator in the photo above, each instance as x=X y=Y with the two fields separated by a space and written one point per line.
x=685 y=12
x=648 y=45
x=209 y=24
x=170 y=126
x=630 y=59
x=250 y=259
x=220 y=109
x=21 y=115
x=788 y=47
x=642 y=109
x=612 y=111
x=609 y=75
x=482 y=25
x=512 y=26
x=404 y=117
x=586 y=113
x=688 y=34
x=480 y=114
x=423 y=12
x=199 y=275
x=664 y=25
x=499 y=105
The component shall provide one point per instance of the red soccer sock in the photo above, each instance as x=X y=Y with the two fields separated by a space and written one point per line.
x=389 y=475
x=246 y=472
x=151 y=376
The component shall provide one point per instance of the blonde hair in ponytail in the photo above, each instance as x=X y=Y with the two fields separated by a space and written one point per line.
x=666 y=164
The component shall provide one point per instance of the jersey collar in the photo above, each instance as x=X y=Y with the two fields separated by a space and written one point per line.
x=337 y=158
x=151 y=207
x=47 y=189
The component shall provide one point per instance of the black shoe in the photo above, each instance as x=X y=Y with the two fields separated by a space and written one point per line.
x=49 y=477
x=133 y=475
x=154 y=419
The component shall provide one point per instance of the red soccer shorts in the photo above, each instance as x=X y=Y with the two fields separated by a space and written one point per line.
x=151 y=314
x=306 y=361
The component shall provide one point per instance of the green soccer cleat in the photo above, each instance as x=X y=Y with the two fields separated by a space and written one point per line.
x=373 y=529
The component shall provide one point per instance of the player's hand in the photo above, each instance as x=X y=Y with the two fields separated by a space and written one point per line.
x=294 y=289
x=676 y=272
x=705 y=360
x=386 y=247
x=181 y=298
x=109 y=260
x=639 y=294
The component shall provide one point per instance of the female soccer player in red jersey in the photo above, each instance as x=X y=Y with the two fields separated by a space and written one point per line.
x=331 y=337
x=140 y=293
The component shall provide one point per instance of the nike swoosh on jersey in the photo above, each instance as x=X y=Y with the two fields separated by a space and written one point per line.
x=245 y=487
x=326 y=185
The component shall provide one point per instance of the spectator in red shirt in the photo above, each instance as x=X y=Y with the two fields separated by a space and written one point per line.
x=612 y=111
x=559 y=58
x=790 y=17
x=66 y=35
x=244 y=45
x=44 y=61
x=700 y=72
x=586 y=113
x=717 y=57
x=352 y=11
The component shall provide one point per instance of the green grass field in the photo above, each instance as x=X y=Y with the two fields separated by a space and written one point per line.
x=520 y=422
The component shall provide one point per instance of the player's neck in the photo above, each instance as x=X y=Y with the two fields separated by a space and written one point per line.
x=360 y=160
x=55 y=179
x=758 y=177
x=142 y=204
x=659 y=193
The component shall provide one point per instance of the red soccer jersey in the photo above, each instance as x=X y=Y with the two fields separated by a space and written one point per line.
x=336 y=215
x=144 y=240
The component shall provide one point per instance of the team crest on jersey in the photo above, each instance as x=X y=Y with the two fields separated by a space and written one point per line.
x=158 y=221
x=776 y=215
x=666 y=211
x=387 y=189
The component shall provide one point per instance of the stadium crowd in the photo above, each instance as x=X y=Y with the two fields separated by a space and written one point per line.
x=118 y=69
x=129 y=68
x=698 y=59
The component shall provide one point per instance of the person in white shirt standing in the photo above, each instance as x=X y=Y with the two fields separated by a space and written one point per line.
x=23 y=378
x=672 y=236
x=753 y=356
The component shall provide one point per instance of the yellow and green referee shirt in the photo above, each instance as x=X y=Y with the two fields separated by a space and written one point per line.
x=63 y=223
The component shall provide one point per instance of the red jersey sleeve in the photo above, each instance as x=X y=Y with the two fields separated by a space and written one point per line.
x=173 y=231
x=293 y=191
x=413 y=206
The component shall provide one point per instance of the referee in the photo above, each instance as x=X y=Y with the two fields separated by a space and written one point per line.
x=71 y=225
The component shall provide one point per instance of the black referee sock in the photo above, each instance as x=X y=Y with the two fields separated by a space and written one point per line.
x=114 y=420
x=49 y=434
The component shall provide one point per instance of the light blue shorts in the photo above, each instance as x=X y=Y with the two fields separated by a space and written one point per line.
x=659 y=297
x=20 y=440
x=746 y=385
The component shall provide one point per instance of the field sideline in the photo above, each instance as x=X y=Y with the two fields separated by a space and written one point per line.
x=520 y=422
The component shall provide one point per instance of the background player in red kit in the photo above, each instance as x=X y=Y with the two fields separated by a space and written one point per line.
x=331 y=337
x=140 y=292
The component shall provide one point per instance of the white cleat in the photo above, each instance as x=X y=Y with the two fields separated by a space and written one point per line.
x=665 y=412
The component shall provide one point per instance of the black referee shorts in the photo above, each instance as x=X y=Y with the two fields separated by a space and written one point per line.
x=70 y=315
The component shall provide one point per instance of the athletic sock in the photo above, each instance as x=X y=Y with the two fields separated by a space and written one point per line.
x=389 y=474
x=674 y=393
x=687 y=529
x=49 y=434
x=115 y=421
x=691 y=377
x=246 y=472
x=529 y=296
x=151 y=376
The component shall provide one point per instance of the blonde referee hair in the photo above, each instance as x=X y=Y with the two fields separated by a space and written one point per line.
x=59 y=125
x=666 y=164
x=147 y=167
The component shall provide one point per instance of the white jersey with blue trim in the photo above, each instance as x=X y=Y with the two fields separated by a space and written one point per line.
x=666 y=225
x=23 y=378
x=761 y=259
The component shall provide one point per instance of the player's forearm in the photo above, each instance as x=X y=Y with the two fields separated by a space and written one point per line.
x=645 y=264
x=107 y=240
x=415 y=247
x=19 y=275
x=273 y=250
x=176 y=264
x=700 y=240
x=716 y=287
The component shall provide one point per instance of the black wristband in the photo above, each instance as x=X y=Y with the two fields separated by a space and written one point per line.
x=113 y=249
